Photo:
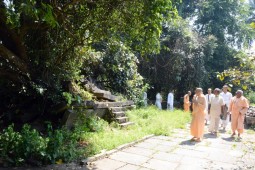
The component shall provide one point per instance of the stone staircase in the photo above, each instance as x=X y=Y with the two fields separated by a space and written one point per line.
x=119 y=115
x=115 y=110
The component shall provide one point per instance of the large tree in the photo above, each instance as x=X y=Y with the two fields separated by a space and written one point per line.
x=40 y=42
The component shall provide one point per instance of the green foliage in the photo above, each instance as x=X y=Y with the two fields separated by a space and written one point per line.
x=147 y=121
x=10 y=146
x=180 y=65
x=90 y=123
x=251 y=97
x=241 y=76
x=40 y=44
x=29 y=147
x=18 y=148
x=62 y=145
x=114 y=66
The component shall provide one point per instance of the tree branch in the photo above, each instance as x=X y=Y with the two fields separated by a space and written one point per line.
x=13 y=59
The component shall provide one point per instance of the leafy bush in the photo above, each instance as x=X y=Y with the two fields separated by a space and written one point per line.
x=89 y=123
x=10 y=146
x=115 y=67
x=62 y=145
x=251 y=97
x=29 y=147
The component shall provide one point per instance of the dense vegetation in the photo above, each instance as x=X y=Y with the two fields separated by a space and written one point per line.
x=50 y=49
x=93 y=135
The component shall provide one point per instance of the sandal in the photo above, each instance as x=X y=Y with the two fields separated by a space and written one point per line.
x=233 y=134
x=193 y=139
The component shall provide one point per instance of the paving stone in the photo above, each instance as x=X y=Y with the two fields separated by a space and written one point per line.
x=142 y=168
x=146 y=145
x=188 y=167
x=160 y=165
x=153 y=140
x=165 y=148
x=236 y=153
x=129 y=167
x=106 y=164
x=222 y=157
x=169 y=143
x=188 y=152
x=221 y=166
x=162 y=137
x=140 y=151
x=192 y=161
x=167 y=157
x=179 y=153
x=129 y=158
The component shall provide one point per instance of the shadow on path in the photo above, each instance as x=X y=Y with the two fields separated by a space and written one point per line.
x=232 y=139
x=209 y=135
x=188 y=143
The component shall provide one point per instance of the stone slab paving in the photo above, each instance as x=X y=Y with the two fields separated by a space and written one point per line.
x=177 y=152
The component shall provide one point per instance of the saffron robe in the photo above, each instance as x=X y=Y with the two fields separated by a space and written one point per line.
x=198 y=117
x=238 y=108
x=186 y=104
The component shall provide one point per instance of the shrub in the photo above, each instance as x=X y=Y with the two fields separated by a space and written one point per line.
x=10 y=147
x=251 y=97
x=29 y=147
x=62 y=145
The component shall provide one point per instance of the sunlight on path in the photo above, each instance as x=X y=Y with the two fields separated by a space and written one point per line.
x=178 y=152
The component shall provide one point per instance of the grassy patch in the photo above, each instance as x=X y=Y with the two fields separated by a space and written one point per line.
x=147 y=121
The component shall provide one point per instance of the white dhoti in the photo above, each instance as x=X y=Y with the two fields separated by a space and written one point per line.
x=214 y=122
x=158 y=104
x=225 y=122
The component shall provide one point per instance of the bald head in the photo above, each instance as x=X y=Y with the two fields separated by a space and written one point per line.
x=199 y=91
x=239 y=93
x=216 y=91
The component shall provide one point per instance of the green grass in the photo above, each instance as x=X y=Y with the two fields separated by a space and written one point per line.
x=147 y=121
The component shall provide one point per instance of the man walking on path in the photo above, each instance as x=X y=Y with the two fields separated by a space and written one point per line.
x=238 y=108
x=186 y=102
x=208 y=98
x=170 y=101
x=215 y=110
x=198 y=115
x=227 y=96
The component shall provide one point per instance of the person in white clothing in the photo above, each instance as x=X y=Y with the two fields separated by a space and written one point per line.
x=170 y=101
x=158 y=101
x=208 y=98
x=145 y=99
x=227 y=96
x=217 y=104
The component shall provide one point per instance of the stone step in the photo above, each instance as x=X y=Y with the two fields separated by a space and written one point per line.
x=117 y=109
x=118 y=114
x=123 y=125
x=100 y=105
x=130 y=107
x=121 y=119
x=105 y=96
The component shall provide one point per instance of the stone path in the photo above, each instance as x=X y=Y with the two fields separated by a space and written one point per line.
x=178 y=152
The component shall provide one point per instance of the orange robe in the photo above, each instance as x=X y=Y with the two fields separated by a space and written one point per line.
x=186 y=104
x=198 y=117
x=238 y=107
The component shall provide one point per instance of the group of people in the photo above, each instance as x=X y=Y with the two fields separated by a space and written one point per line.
x=216 y=108
x=170 y=101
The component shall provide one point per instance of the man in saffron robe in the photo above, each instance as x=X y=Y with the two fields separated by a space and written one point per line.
x=238 y=107
x=186 y=104
x=198 y=115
